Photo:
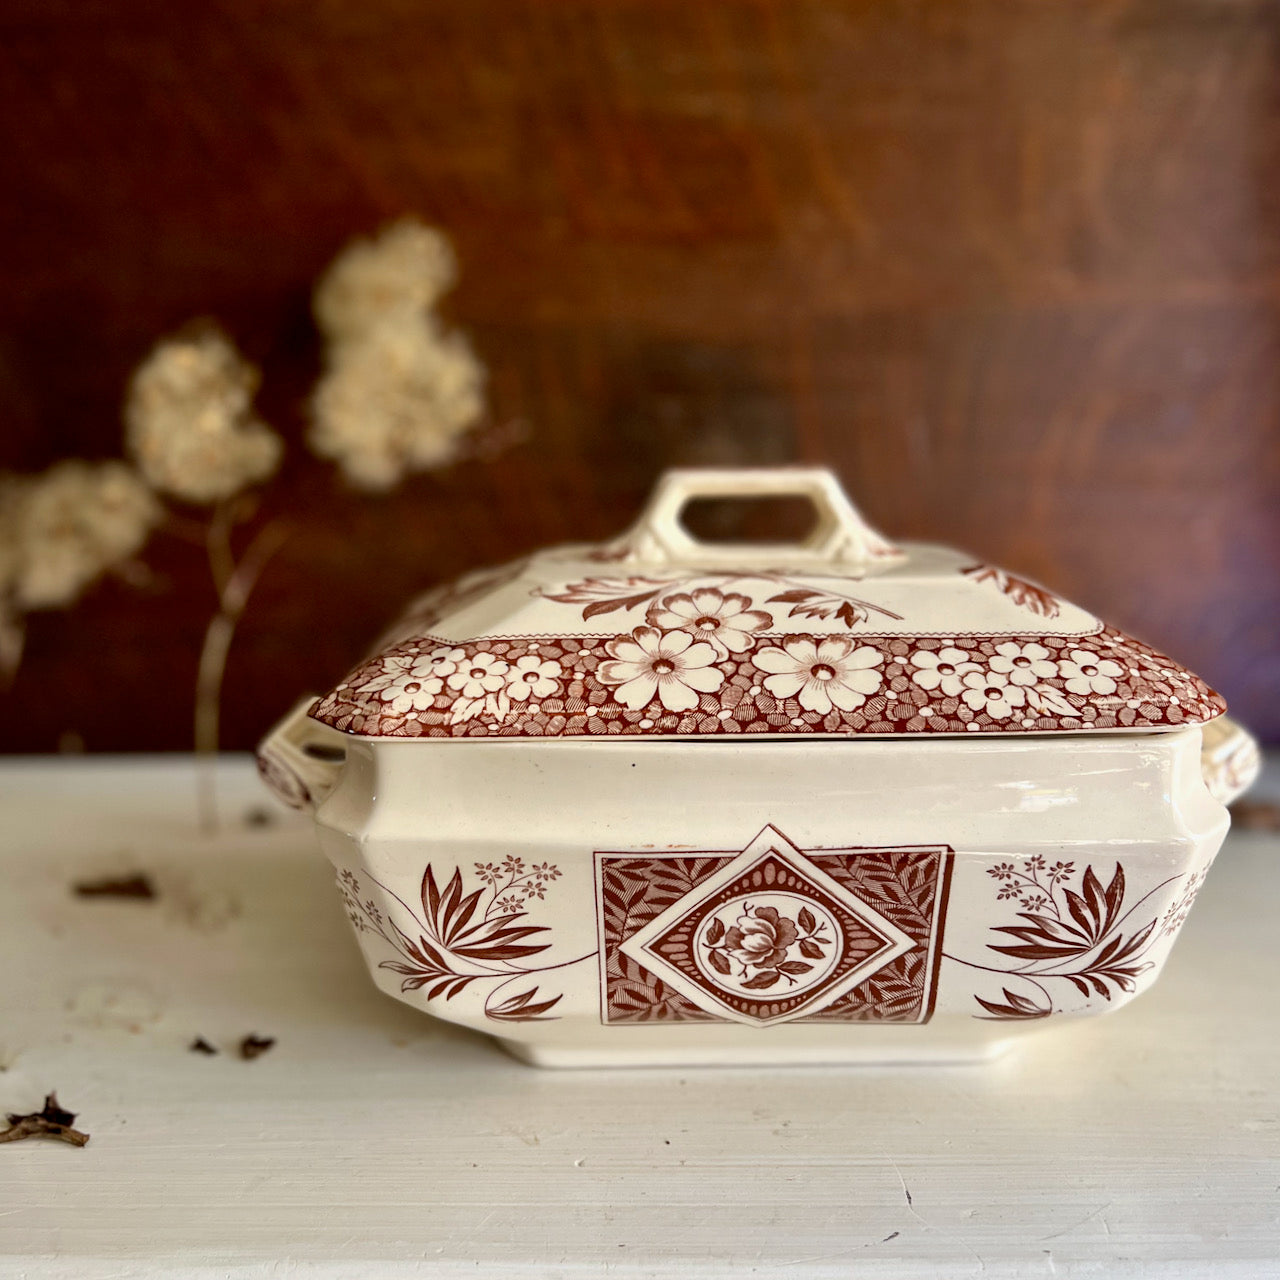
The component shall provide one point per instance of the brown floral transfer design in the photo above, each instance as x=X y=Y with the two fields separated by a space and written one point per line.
x=1175 y=915
x=1074 y=934
x=771 y=934
x=599 y=596
x=1019 y=590
x=669 y=682
x=465 y=938
x=757 y=948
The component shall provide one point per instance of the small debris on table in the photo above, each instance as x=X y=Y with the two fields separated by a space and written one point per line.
x=201 y=1045
x=255 y=1046
x=259 y=816
x=52 y=1122
x=137 y=885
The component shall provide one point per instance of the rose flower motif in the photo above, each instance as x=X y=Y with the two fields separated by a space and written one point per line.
x=533 y=677
x=944 y=669
x=667 y=665
x=824 y=672
x=1024 y=664
x=727 y=622
x=1085 y=672
x=760 y=937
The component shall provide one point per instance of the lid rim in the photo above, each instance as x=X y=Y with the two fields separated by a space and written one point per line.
x=741 y=739
x=777 y=687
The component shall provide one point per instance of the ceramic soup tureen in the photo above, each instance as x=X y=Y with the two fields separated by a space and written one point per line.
x=660 y=801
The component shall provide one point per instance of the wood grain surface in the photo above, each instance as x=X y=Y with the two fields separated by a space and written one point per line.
x=1013 y=269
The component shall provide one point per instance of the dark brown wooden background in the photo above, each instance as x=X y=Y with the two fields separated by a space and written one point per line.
x=1012 y=268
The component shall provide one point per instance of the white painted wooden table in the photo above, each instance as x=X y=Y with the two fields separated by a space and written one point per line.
x=373 y=1142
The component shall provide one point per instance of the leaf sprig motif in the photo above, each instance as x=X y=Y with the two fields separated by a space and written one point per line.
x=809 y=602
x=458 y=932
x=522 y=1007
x=1017 y=1006
x=1108 y=961
x=1019 y=590
x=607 y=595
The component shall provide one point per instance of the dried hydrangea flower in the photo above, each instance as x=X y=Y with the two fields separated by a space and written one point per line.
x=397 y=401
x=399 y=390
x=404 y=272
x=61 y=530
x=189 y=421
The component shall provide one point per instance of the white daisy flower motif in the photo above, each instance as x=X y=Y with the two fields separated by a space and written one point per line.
x=1024 y=664
x=943 y=669
x=412 y=693
x=533 y=677
x=726 y=622
x=1085 y=672
x=824 y=672
x=477 y=675
x=405 y=684
x=445 y=661
x=668 y=665
x=415 y=694
x=992 y=692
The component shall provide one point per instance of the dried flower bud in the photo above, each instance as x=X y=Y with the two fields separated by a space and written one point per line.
x=189 y=420
x=403 y=272
x=61 y=530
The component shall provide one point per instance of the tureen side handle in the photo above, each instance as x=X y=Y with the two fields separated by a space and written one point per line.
x=1229 y=758
x=839 y=536
x=300 y=759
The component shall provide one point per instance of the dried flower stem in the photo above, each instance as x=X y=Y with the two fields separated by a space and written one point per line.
x=222 y=561
x=234 y=583
x=13 y=636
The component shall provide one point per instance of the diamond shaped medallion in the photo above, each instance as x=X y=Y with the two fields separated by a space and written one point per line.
x=766 y=937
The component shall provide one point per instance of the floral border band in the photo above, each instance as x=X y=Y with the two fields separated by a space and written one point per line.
x=667 y=682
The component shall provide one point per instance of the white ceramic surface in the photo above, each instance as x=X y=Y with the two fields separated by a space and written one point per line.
x=611 y=805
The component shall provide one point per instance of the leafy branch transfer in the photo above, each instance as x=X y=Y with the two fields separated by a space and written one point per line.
x=599 y=596
x=464 y=938
x=1068 y=935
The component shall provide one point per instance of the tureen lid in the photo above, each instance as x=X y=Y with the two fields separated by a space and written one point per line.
x=841 y=635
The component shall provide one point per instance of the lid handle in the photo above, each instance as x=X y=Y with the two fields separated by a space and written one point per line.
x=840 y=535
